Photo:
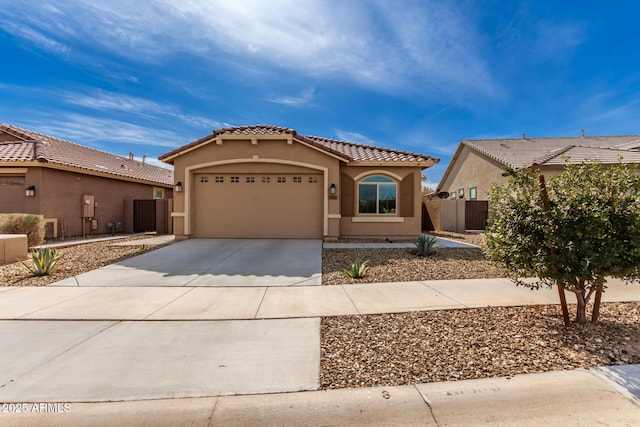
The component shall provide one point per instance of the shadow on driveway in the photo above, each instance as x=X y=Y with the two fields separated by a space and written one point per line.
x=215 y=262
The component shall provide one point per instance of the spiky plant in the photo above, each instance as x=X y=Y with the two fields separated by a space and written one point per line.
x=357 y=269
x=424 y=244
x=44 y=261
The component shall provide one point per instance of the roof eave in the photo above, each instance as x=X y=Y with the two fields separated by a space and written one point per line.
x=450 y=166
x=424 y=164
x=84 y=171
x=171 y=156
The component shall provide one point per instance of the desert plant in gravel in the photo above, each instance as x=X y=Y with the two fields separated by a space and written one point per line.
x=357 y=269
x=43 y=261
x=424 y=244
x=581 y=229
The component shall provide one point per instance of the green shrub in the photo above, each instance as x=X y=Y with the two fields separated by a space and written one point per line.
x=45 y=261
x=357 y=269
x=29 y=224
x=424 y=244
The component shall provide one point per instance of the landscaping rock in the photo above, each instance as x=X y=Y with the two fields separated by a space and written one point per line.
x=450 y=345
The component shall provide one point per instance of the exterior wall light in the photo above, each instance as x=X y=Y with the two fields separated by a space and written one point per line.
x=332 y=189
x=178 y=187
x=30 y=191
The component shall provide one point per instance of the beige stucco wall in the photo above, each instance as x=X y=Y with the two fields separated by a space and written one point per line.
x=408 y=221
x=472 y=169
x=272 y=156
x=252 y=157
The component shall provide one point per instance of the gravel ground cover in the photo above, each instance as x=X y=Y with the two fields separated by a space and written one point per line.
x=449 y=345
x=403 y=265
x=77 y=259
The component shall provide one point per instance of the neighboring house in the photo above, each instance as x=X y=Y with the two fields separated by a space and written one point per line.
x=477 y=164
x=269 y=182
x=79 y=190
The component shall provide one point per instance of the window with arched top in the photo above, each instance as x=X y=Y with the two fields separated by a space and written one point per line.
x=377 y=196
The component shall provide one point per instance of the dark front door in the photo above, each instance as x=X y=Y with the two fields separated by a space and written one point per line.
x=144 y=215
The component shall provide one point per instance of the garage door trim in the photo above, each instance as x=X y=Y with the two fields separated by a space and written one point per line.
x=191 y=170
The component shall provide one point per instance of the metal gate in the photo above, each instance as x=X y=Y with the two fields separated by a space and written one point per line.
x=144 y=215
x=475 y=215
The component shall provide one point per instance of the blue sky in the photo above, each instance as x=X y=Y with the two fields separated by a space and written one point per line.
x=148 y=76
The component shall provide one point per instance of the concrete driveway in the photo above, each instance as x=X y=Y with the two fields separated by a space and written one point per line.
x=70 y=361
x=215 y=262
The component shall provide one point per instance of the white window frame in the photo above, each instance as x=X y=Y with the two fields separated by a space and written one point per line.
x=392 y=182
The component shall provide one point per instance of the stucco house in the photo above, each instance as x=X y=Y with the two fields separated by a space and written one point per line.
x=477 y=164
x=267 y=181
x=80 y=190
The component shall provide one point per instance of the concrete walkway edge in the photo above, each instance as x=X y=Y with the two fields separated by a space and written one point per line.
x=531 y=400
x=262 y=302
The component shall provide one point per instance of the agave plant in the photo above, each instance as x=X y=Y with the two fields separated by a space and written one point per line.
x=44 y=261
x=424 y=244
x=357 y=269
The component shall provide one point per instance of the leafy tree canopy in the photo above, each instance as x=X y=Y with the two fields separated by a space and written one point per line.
x=591 y=229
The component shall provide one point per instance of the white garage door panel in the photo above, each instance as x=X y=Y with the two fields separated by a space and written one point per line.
x=258 y=209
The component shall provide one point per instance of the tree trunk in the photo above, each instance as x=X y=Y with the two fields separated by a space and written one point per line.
x=563 y=303
x=581 y=310
x=596 y=306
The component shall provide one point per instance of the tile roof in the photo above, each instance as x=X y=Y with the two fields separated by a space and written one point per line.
x=34 y=146
x=519 y=153
x=254 y=130
x=347 y=150
x=361 y=152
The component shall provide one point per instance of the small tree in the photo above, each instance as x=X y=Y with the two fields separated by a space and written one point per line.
x=585 y=227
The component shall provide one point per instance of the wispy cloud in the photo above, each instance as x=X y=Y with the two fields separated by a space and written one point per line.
x=354 y=137
x=109 y=101
x=435 y=41
x=607 y=113
x=554 y=39
x=153 y=161
x=387 y=47
x=38 y=39
x=301 y=99
x=89 y=130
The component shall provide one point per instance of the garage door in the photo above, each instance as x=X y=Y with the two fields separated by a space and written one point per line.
x=258 y=206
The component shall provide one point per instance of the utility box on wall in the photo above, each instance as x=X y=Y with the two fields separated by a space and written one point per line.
x=88 y=206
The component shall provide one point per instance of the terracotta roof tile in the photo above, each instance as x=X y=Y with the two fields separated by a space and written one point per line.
x=47 y=149
x=344 y=149
x=361 y=152
x=519 y=153
x=254 y=130
x=17 y=151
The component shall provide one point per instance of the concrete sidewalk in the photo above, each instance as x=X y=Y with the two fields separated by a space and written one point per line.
x=174 y=355
x=229 y=303
x=153 y=240
x=565 y=398
x=441 y=242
